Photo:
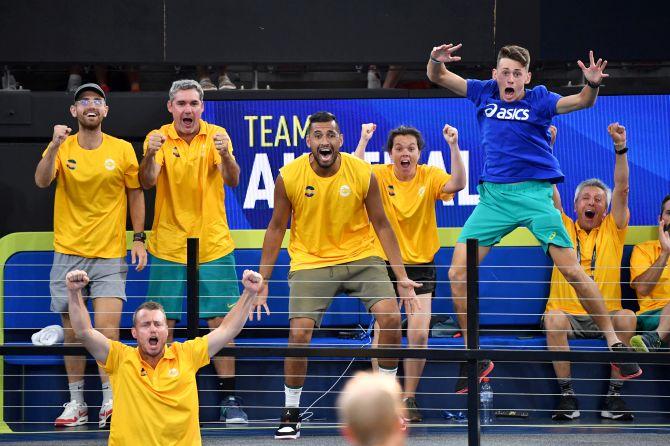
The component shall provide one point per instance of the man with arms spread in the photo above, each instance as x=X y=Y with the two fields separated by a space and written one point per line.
x=331 y=198
x=650 y=278
x=409 y=192
x=189 y=161
x=97 y=181
x=516 y=186
x=155 y=390
x=599 y=238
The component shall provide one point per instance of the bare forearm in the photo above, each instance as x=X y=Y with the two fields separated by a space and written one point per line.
x=230 y=171
x=458 y=175
x=149 y=171
x=44 y=174
x=271 y=246
x=439 y=74
x=389 y=242
x=360 y=148
x=621 y=171
x=137 y=209
x=644 y=283
x=79 y=317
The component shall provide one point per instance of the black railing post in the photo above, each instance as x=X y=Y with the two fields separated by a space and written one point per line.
x=192 y=288
x=472 y=269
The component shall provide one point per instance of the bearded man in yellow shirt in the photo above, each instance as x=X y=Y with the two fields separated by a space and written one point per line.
x=334 y=204
x=155 y=389
x=189 y=161
x=96 y=182
x=650 y=278
x=599 y=240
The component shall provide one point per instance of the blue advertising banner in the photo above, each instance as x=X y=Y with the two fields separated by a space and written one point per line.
x=267 y=134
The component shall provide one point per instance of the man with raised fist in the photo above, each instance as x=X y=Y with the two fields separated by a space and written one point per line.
x=97 y=179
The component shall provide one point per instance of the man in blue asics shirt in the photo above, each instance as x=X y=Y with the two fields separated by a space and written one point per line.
x=516 y=185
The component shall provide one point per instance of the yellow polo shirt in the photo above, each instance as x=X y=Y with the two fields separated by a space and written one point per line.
x=91 y=201
x=329 y=222
x=410 y=208
x=156 y=406
x=644 y=255
x=608 y=241
x=190 y=198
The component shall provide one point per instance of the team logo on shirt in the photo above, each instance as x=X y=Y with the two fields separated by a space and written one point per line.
x=173 y=372
x=422 y=190
x=309 y=191
x=390 y=190
x=175 y=152
x=71 y=164
x=110 y=164
x=512 y=114
x=345 y=191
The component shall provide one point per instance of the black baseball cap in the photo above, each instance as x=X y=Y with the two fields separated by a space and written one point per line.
x=89 y=87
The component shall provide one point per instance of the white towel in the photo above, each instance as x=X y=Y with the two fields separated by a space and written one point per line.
x=53 y=334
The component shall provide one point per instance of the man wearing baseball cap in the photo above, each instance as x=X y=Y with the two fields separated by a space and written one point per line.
x=97 y=180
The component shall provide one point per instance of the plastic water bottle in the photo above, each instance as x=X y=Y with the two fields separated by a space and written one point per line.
x=486 y=402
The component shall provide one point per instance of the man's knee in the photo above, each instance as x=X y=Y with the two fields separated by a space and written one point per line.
x=624 y=320
x=300 y=331
x=556 y=322
x=418 y=336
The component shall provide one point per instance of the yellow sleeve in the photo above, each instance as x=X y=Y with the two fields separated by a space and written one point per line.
x=438 y=179
x=115 y=356
x=158 y=158
x=130 y=174
x=640 y=261
x=197 y=351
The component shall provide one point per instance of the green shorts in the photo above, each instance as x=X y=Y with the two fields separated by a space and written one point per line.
x=219 y=287
x=648 y=321
x=504 y=207
x=312 y=290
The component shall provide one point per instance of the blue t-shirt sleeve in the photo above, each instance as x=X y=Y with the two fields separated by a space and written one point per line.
x=478 y=91
x=546 y=101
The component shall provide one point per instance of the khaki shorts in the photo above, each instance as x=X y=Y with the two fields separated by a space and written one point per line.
x=312 y=290
x=583 y=326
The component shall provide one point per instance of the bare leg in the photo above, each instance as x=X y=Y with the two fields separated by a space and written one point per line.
x=74 y=365
x=418 y=325
x=387 y=314
x=300 y=335
x=557 y=327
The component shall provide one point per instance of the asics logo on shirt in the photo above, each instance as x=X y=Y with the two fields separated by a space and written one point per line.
x=516 y=114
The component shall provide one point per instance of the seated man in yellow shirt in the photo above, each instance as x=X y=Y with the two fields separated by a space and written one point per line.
x=155 y=391
x=599 y=239
x=650 y=278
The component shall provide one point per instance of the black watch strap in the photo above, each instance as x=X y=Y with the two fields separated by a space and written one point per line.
x=591 y=84
x=140 y=237
x=620 y=151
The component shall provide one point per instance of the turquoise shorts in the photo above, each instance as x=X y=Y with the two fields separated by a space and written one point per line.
x=648 y=321
x=504 y=207
x=219 y=287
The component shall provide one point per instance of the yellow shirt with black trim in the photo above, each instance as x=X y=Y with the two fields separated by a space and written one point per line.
x=91 y=201
x=329 y=222
x=156 y=406
x=190 y=197
x=608 y=241
x=410 y=208
x=644 y=255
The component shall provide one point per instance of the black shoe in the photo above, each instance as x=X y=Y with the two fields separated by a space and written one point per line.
x=567 y=408
x=484 y=367
x=412 y=414
x=615 y=408
x=627 y=370
x=289 y=427
x=648 y=341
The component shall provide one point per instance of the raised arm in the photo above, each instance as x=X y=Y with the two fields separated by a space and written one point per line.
x=367 y=130
x=458 y=178
x=621 y=184
x=232 y=324
x=95 y=342
x=388 y=240
x=229 y=169
x=274 y=235
x=438 y=72
x=45 y=172
x=644 y=283
x=594 y=75
x=149 y=168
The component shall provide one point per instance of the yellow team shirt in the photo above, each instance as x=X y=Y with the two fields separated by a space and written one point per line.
x=91 y=201
x=644 y=255
x=156 y=406
x=410 y=208
x=329 y=223
x=190 y=198
x=608 y=241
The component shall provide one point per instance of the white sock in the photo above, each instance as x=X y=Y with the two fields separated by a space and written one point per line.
x=106 y=392
x=390 y=372
x=77 y=391
x=292 y=396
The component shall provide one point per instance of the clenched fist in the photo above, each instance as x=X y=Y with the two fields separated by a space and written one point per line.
x=61 y=132
x=450 y=134
x=76 y=280
x=221 y=143
x=155 y=142
x=367 y=130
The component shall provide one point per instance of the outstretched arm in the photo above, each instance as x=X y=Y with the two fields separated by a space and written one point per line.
x=438 y=72
x=95 y=342
x=458 y=178
x=367 y=130
x=234 y=321
x=621 y=184
x=594 y=75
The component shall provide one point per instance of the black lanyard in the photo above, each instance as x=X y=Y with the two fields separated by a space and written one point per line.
x=593 y=257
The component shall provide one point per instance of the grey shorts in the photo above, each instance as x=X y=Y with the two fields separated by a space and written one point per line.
x=108 y=278
x=582 y=326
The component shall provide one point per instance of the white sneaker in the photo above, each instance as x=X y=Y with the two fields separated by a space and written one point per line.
x=207 y=84
x=105 y=415
x=225 y=83
x=75 y=414
x=73 y=82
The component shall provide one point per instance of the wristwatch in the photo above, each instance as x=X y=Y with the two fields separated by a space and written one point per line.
x=620 y=151
x=139 y=237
